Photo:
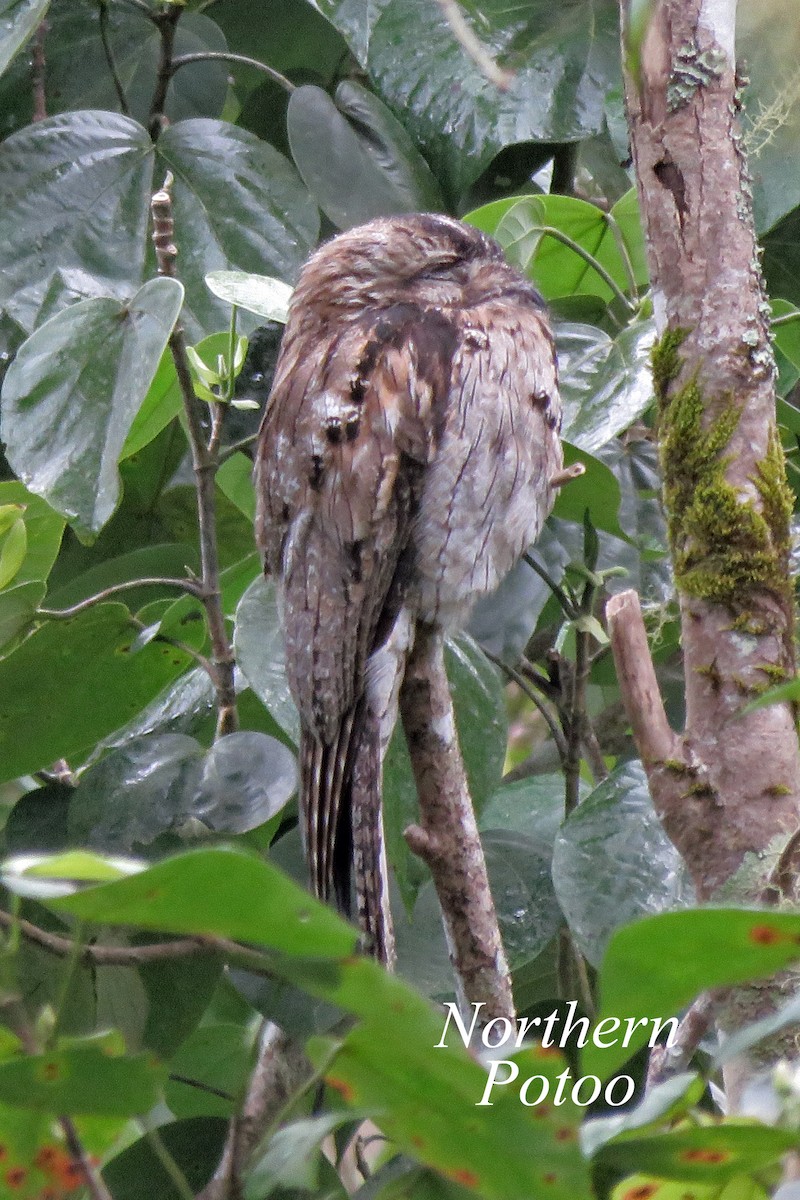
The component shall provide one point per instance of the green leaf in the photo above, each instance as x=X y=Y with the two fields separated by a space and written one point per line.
x=162 y=783
x=781 y=259
x=45 y=529
x=740 y=1187
x=612 y=862
x=86 y=663
x=658 y=965
x=235 y=479
x=18 y=607
x=259 y=294
x=711 y=1153
x=390 y=147
x=427 y=1100
x=19 y=20
x=90 y=174
x=596 y=492
x=218 y=1056
x=238 y=204
x=521 y=884
x=73 y=36
x=605 y=382
x=194 y=1145
x=13 y=549
x=258 y=644
x=293 y=1158
x=771 y=117
x=563 y=59
x=72 y=392
x=348 y=185
x=355 y=20
x=218 y=891
x=177 y=994
x=519 y=225
x=82 y=1079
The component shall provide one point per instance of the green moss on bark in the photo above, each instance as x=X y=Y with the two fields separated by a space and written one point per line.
x=724 y=548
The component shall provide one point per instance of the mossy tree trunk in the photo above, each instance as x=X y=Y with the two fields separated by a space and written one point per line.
x=729 y=786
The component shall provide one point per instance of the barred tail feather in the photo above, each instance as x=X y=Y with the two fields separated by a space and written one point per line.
x=369 y=850
x=342 y=825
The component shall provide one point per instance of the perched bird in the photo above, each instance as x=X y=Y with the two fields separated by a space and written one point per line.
x=404 y=464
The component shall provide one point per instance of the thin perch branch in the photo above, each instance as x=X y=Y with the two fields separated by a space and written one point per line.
x=205 y=464
x=447 y=837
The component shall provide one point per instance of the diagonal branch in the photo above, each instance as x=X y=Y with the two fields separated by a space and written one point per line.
x=447 y=836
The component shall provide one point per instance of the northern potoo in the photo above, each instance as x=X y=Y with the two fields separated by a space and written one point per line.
x=403 y=467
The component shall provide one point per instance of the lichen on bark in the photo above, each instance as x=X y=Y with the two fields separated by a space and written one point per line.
x=725 y=547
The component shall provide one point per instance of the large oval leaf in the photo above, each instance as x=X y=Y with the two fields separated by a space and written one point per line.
x=18 y=21
x=159 y=784
x=357 y=168
x=564 y=57
x=72 y=392
x=612 y=862
x=74 y=193
x=258 y=642
x=605 y=382
x=86 y=663
x=238 y=204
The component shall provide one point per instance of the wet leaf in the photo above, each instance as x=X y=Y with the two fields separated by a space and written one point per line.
x=612 y=862
x=72 y=392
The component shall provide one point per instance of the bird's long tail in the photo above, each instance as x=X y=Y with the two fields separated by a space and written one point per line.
x=342 y=824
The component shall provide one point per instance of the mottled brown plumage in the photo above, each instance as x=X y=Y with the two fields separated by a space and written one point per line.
x=403 y=466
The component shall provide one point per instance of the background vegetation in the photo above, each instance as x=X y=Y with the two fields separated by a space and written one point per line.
x=125 y=1053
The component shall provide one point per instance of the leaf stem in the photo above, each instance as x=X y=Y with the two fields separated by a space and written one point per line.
x=112 y=65
x=537 y=701
x=623 y=252
x=598 y=268
x=183 y=60
x=169 y=1164
x=65 y=614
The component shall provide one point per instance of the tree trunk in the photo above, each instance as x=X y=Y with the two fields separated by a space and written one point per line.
x=729 y=786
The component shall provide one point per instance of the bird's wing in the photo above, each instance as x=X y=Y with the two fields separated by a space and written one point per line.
x=352 y=421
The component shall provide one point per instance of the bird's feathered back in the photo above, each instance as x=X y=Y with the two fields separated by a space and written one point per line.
x=403 y=467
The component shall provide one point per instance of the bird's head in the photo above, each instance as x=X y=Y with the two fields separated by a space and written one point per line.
x=423 y=258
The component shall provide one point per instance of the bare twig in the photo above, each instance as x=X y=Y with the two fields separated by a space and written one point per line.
x=38 y=73
x=183 y=60
x=64 y=614
x=447 y=837
x=235 y=447
x=137 y=956
x=205 y=464
x=669 y=1060
x=472 y=45
x=166 y=20
x=567 y=474
x=537 y=701
x=112 y=65
x=91 y=1179
x=637 y=680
